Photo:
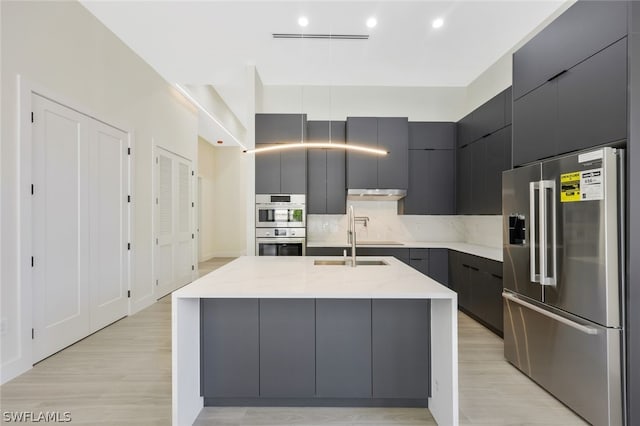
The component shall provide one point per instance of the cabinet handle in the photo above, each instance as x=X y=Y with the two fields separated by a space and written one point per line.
x=487 y=135
x=557 y=75
x=474 y=268
x=496 y=276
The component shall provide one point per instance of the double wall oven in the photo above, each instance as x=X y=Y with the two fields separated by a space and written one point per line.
x=280 y=224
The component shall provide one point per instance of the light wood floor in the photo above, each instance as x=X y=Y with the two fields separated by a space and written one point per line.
x=121 y=375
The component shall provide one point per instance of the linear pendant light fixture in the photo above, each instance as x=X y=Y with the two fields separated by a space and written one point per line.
x=327 y=145
x=307 y=145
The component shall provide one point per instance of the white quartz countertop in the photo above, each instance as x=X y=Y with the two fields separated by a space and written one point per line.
x=298 y=277
x=474 y=249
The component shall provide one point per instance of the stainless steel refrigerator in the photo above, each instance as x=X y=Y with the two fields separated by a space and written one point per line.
x=563 y=231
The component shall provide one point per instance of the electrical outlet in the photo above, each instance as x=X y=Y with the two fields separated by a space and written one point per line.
x=3 y=326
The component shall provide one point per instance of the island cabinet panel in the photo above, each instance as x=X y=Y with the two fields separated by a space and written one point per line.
x=343 y=348
x=400 y=348
x=229 y=352
x=287 y=348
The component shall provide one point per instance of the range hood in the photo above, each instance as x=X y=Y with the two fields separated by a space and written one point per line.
x=376 y=194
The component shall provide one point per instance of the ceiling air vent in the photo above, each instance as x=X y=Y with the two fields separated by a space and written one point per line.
x=325 y=36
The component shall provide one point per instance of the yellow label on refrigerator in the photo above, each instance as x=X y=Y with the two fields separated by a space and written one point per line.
x=587 y=185
x=570 y=187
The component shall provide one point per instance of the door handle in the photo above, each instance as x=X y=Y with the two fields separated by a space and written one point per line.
x=533 y=187
x=583 y=328
x=547 y=275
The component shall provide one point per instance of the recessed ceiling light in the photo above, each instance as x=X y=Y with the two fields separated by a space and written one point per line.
x=303 y=21
x=437 y=23
x=372 y=22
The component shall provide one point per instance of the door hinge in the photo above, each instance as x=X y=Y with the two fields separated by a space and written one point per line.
x=193 y=173
x=156 y=200
x=156 y=160
x=33 y=189
x=129 y=294
x=33 y=262
x=193 y=236
x=156 y=282
x=32 y=119
x=156 y=241
x=193 y=204
x=33 y=334
x=193 y=268
x=128 y=246
x=128 y=198
x=128 y=151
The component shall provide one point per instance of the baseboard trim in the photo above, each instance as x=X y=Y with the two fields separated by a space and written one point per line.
x=316 y=402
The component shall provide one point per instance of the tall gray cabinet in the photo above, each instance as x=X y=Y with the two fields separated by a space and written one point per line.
x=326 y=188
x=432 y=158
x=281 y=172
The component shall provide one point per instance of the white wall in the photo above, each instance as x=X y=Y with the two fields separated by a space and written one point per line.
x=223 y=211
x=207 y=205
x=61 y=47
x=339 y=102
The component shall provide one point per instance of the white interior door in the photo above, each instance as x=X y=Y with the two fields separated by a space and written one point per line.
x=60 y=227
x=173 y=222
x=108 y=219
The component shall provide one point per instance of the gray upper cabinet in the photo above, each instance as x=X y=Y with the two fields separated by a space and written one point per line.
x=393 y=135
x=584 y=29
x=281 y=172
x=326 y=190
x=584 y=107
x=497 y=158
x=366 y=171
x=508 y=106
x=464 y=166
x=592 y=100
x=465 y=130
x=432 y=135
x=287 y=348
x=490 y=116
x=431 y=169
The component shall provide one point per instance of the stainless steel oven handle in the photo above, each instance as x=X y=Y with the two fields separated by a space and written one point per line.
x=583 y=328
x=533 y=187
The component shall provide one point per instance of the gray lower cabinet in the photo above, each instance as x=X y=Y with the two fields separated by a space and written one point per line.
x=419 y=260
x=478 y=282
x=326 y=251
x=400 y=348
x=343 y=348
x=230 y=356
x=439 y=265
x=287 y=348
x=402 y=254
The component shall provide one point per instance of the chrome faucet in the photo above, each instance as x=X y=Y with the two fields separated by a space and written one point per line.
x=351 y=234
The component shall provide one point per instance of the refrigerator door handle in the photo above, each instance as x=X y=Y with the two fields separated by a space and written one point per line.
x=548 y=275
x=583 y=328
x=533 y=187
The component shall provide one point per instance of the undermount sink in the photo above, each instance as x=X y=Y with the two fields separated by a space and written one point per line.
x=343 y=263
x=379 y=243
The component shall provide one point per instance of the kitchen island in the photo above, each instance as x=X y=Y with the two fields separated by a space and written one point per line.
x=304 y=331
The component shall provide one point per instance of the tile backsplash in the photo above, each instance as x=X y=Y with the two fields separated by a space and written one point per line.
x=385 y=224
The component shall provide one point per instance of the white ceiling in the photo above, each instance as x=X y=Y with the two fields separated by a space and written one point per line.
x=211 y=42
